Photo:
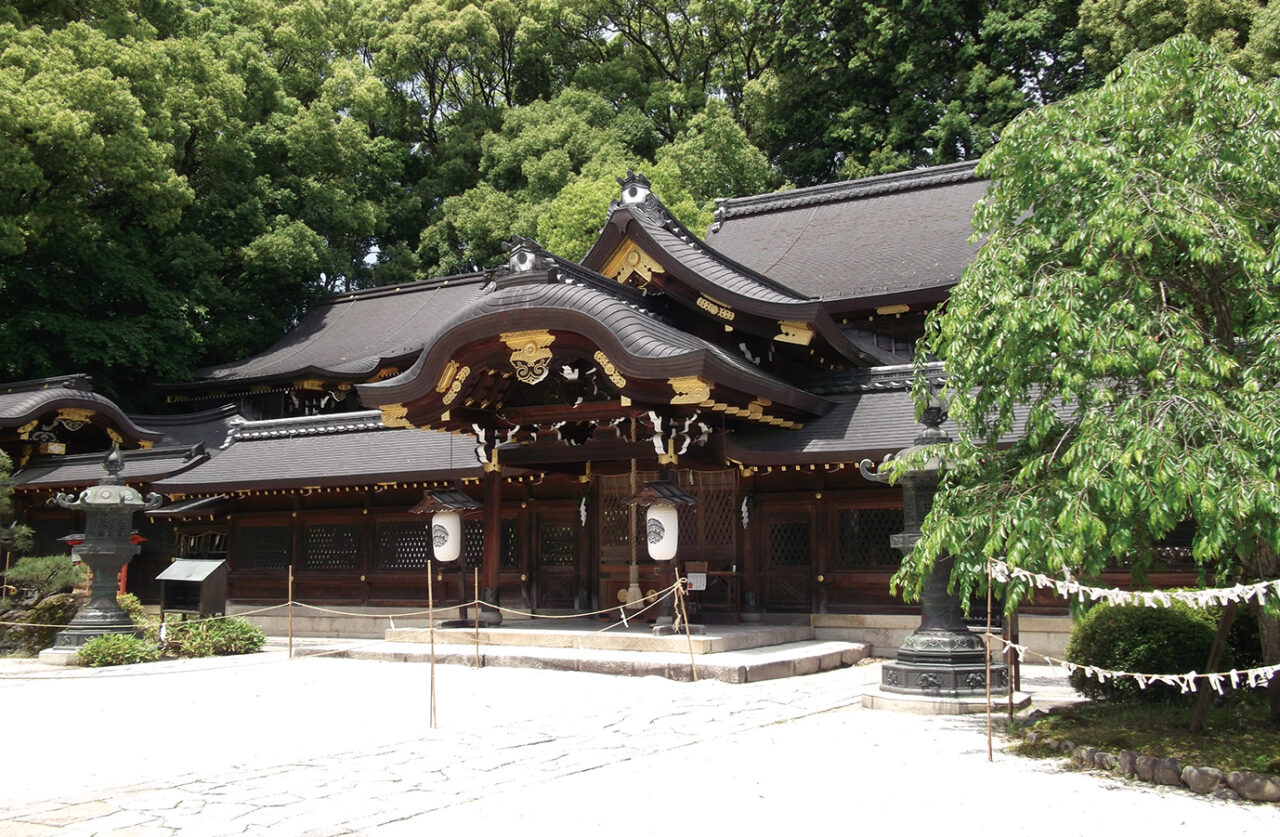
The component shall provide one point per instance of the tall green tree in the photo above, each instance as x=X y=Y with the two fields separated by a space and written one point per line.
x=867 y=86
x=181 y=179
x=1121 y=323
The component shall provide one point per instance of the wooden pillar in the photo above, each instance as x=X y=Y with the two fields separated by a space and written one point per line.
x=491 y=553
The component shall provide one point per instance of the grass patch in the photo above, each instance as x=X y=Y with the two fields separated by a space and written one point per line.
x=1237 y=734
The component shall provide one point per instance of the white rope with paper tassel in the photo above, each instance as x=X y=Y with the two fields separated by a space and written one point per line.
x=1254 y=678
x=1068 y=587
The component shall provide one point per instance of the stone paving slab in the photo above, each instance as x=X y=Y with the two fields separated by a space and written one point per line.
x=339 y=746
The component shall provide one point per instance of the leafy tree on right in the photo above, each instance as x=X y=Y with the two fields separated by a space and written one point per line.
x=1113 y=351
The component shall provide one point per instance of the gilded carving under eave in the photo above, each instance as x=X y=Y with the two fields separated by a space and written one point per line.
x=630 y=261
x=794 y=331
x=530 y=353
x=690 y=389
x=610 y=371
x=395 y=415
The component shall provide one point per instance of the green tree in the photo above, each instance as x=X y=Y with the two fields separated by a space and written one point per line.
x=14 y=537
x=867 y=86
x=551 y=170
x=1121 y=323
x=1113 y=29
x=181 y=179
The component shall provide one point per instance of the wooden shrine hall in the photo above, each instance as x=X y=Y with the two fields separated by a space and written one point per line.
x=753 y=368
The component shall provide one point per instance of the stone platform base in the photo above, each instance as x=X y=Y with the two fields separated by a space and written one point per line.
x=927 y=705
x=60 y=657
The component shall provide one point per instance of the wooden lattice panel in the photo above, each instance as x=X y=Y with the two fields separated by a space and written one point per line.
x=864 y=537
x=510 y=544
x=615 y=517
x=404 y=545
x=789 y=544
x=264 y=547
x=331 y=546
x=472 y=543
x=716 y=495
x=557 y=545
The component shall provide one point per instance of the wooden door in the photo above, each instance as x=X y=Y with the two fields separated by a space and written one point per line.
x=555 y=549
x=788 y=561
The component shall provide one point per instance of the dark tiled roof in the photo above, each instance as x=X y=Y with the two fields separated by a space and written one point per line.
x=207 y=427
x=879 y=236
x=348 y=337
x=862 y=424
x=349 y=449
x=86 y=469
x=688 y=260
x=23 y=401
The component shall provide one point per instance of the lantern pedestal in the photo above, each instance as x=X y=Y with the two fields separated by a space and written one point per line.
x=101 y=615
x=942 y=663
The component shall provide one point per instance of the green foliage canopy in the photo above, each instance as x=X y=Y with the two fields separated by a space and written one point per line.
x=1121 y=323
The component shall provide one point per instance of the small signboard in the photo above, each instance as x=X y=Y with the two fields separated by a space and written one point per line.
x=697 y=581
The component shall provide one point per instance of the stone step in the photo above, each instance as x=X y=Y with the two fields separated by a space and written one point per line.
x=714 y=639
x=746 y=665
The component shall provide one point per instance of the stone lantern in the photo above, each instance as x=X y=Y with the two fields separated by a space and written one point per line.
x=108 y=545
x=942 y=658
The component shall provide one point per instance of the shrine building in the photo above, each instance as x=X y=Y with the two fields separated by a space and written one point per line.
x=754 y=368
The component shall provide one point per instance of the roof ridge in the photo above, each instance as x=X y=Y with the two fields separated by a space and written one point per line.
x=416 y=285
x=75 y=380
x=878 y=379
x=306 y=426
x=880 y=184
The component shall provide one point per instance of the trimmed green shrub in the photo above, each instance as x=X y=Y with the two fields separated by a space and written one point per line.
x=1143 y=640
x=117 y=650
x=40 y=576
x=133 y=609
x=216 y=637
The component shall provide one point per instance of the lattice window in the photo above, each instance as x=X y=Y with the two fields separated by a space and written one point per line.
x=557 y=545
x=331 y=546
x=510 y=544
x=210 y=545
x=472 y=543
x=864 y=537
x=403 y=545
x=614 y=516
x=789 y=544
x=264 y=547
x=716 y=493
x=709 y=525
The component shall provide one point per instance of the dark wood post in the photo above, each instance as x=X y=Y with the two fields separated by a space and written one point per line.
x=491 y=551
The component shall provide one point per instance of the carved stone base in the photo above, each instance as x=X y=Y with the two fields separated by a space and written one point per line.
x=940 y=663
x=943 y=681
x=74 y=636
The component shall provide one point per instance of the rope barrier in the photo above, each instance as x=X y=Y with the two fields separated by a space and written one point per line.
x=1210 y=597
x=1254 y=677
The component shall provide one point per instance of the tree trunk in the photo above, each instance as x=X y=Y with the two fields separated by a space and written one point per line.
x=1205 y=696
x=1268 y=566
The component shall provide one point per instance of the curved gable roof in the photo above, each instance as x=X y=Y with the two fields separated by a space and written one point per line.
x=560 y=297
x=640 y=218
x=25 y=401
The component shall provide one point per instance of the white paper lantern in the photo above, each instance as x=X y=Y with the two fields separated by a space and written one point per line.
x=446 y=535
x=662 y=529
